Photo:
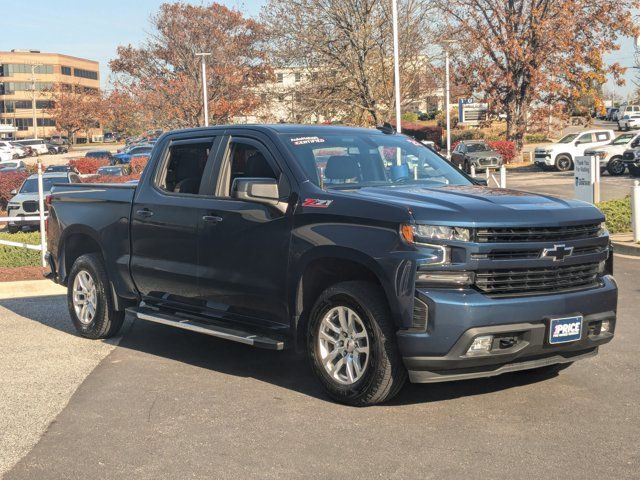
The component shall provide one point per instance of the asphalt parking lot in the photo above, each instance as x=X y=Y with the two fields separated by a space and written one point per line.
x=175 y=404
x=561 y=184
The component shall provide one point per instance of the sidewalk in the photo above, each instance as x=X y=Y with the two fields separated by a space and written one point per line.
x=623 y=243
x=30 y=288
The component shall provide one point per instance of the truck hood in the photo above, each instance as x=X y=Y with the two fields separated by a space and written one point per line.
x=608 y=148
x=473 y=205
x=23 y=197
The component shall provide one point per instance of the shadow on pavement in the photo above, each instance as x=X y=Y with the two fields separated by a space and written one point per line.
x=285 y=369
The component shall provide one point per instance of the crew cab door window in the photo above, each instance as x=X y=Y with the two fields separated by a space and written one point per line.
x=184 y=167
x=602 y=136
x=585 y=138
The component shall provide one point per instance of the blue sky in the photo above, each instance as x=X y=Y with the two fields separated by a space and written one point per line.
x=91 y=29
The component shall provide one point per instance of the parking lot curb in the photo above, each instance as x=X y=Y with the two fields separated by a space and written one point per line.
x=623 y=243
x=30 y=288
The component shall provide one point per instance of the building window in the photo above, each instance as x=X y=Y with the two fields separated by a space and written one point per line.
x=79 y=72
x=23 y=123
x=65 y=70
x=8 y=88
x=46 y=122
x=9 y=69
x=298 y=77
x=43 y=104
x=280 y=77
x=23 y=104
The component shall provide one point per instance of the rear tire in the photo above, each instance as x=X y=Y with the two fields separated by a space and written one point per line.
x=381 y=372
x=89 y=299
x=564 y=163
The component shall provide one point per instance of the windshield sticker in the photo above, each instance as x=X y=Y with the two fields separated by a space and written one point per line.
x=316 y=203
x=306 y=140
x=415 y=142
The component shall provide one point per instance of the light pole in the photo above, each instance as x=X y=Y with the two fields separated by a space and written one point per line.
x=396 y=64
x=446 y=44
x=33 y=99
x=202 y=55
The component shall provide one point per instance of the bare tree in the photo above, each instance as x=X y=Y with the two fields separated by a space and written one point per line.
x=526 y=52
x=344 y=48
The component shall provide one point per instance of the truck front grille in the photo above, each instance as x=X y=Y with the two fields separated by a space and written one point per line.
x=535 y=281
x=529 y=254
x=30 y=206
x=537 y=234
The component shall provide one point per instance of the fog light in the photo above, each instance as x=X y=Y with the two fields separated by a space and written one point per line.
x=605 y=327
x=480 y=345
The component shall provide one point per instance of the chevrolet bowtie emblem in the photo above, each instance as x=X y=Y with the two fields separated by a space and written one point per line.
x=558 y=252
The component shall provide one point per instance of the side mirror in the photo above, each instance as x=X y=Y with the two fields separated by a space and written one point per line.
x=258 y=190
x=14 y=192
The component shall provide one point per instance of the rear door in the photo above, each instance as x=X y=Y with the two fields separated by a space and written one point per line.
x=165 y=221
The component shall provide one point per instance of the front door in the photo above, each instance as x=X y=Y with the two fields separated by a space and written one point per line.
x=243 y=245
x=165 y=221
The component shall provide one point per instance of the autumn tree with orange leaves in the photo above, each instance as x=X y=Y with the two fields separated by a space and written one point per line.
x=75 y=109
x=164 y=73
x=524 y=53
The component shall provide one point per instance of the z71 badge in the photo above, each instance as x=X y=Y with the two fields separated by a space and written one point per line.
x=316 y=203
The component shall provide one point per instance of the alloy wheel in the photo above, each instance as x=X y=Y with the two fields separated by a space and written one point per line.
x=84 y=297
x=343 y=345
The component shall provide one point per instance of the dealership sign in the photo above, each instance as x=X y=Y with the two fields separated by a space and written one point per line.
x=587 y=179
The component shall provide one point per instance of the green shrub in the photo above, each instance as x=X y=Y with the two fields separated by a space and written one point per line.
x=19 y=257
x=618 y=214
x=409 y=117
x=536 y=138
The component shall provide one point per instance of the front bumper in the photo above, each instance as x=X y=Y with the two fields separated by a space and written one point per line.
x=543 y=159
x=457 y=317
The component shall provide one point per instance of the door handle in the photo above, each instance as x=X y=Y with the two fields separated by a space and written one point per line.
x=145 y=212
x=211 y=219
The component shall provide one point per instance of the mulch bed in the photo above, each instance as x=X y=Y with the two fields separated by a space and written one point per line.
x=21 y=273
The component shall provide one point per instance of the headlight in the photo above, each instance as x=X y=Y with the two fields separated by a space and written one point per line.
x=637 y=154
x=425 y=233
x=603 y=229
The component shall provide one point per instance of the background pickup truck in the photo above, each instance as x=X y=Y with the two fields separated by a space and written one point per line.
x=361 y=248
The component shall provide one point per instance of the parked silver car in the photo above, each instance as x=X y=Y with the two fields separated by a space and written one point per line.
x=25 y=201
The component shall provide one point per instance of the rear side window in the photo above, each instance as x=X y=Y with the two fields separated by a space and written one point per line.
x=184 y=167
x=602 y=136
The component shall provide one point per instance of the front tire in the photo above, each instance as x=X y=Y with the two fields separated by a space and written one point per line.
x=351 y=345
x=563 y=163
x=89 y=299
x=616 y=167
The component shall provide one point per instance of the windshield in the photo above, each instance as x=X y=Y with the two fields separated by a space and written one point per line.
x=477 y=147
x=98 y=154
x=355 y=160
x=8 y=165
x=31 y=184
x=569 y=138
x=623 y=139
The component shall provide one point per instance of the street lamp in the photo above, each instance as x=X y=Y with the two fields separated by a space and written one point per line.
x=396 y=64
x=446 y=43
x=202 y=55
x=33 y=101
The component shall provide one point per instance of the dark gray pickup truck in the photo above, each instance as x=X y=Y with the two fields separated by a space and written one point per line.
x=362 y=248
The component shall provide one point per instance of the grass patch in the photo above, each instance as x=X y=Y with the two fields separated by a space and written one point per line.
x=19 y=257
x=618 y=214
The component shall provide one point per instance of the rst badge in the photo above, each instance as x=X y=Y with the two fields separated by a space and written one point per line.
x=316 y=203
x=563 y=330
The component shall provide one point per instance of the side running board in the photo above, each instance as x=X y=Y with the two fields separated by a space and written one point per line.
x=208 y=327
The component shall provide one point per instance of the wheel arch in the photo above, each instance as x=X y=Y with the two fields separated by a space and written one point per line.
x=326 y=266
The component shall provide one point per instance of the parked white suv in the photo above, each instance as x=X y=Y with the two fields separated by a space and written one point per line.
x=611 y=155
x=626 y=110
x=629 y=121
x=14 y=151
x=38 y=145
x=561 y=154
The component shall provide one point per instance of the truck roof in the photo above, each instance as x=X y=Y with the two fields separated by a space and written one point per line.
x=291 y=129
